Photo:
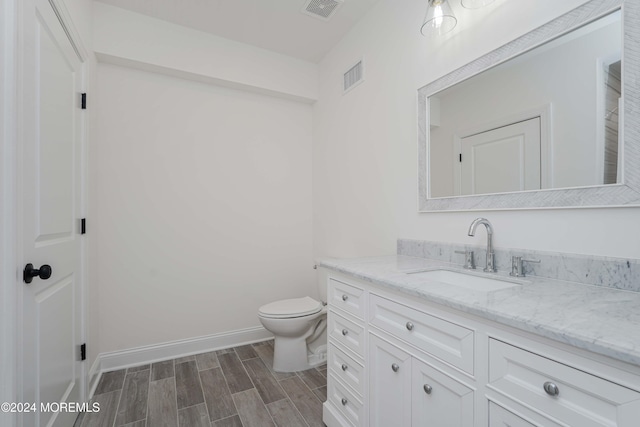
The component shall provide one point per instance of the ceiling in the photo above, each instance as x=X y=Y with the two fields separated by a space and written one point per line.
x=277 y=25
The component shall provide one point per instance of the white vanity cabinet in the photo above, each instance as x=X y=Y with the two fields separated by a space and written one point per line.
x=395 y=360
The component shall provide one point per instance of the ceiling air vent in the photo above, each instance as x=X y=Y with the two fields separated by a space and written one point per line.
x=353 y=77
x=321 y=9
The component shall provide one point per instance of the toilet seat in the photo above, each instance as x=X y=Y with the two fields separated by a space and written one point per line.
x=289 y=308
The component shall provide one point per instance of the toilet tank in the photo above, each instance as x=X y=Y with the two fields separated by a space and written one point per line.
x=321 y=281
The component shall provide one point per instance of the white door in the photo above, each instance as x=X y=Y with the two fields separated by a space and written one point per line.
x=501 y=160
x=438 y=399
x=51 y=142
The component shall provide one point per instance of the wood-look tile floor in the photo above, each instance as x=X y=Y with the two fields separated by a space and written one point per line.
x=226 y=388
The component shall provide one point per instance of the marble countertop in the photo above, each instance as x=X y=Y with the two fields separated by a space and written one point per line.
x=594 y=318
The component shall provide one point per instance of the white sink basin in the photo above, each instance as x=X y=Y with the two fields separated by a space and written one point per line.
x=469 y=281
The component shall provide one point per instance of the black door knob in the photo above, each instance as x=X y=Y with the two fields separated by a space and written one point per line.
x=29 y=272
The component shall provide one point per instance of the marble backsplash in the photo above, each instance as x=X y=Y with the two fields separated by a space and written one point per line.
x=615 y=273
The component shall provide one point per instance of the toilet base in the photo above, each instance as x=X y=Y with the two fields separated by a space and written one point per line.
x=291 y=355
x=319 y=357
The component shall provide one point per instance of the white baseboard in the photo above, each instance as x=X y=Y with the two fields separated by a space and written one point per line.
x=94 y=377
x=170 y=350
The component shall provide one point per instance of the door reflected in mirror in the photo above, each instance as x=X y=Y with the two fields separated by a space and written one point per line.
x=545 y=119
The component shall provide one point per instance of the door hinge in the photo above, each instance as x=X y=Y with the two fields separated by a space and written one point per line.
x=83 y=352
x=84 y=101
x=460 y=157
x=83 y=226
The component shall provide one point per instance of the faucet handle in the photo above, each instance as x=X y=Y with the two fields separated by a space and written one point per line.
x=469 y=262
x=517 y=269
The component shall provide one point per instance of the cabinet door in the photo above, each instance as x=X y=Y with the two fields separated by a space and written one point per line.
x=390 y=385
x=438 y=399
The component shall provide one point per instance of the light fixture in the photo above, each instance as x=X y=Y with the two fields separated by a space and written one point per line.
x=439 y=18
x=474 y=4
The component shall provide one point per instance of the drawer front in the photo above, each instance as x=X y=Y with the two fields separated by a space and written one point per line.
x=348 y=298
x=445 y=340
x=347 y=333
x=500 y=417
x=582 y=399
x=345 y=401
x=346 y=368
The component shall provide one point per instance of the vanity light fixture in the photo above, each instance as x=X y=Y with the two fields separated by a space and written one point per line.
x=475 y=4
x=439 y=18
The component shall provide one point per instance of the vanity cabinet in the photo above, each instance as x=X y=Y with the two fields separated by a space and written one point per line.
x=397 y=360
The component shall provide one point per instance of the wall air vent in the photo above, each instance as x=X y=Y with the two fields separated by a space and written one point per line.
x=353 y=77
x=321 y=9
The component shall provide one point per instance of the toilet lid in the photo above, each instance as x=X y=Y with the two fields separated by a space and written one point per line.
x=296 y=307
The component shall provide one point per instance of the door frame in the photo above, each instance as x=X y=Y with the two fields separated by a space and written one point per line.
x=12 y=121
x=546 y=142
x=8 y=175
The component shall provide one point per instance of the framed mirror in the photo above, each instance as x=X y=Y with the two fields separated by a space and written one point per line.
x=549 y=120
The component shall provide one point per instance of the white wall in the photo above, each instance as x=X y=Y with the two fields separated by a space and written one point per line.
x=125 y=37
x=365 y=143
x=202 y=206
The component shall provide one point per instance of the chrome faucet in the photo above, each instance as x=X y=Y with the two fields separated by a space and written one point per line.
x=490 y=267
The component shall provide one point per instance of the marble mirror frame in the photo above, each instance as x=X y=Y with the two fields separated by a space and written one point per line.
x=626 y=193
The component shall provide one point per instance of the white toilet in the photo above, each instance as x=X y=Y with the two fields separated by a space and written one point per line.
x=299 y=326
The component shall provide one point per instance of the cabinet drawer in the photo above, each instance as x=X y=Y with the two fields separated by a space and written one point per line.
x=342 y=399
x=346 y=368
x=346 y=333
x=445 y=340
x=582 y=399
x=500 y=417
x=347 y=297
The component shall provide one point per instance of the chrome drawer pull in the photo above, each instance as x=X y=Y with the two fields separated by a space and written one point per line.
x=345 y=332
x=409 y=326
x=344 y=401
x=395 y=367
x=345 y=297
x=427 y=388
x=344 y=367
x=551 y=388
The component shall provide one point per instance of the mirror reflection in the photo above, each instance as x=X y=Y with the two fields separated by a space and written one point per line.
x=544 y=119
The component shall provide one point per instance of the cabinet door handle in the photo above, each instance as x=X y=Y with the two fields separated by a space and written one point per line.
x=345 y=332
x=344 y=367
x=409 y=326
x=427 y=388
x=344 y=401
x=395 y=367
x=345 y=297
x=551 y=388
